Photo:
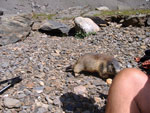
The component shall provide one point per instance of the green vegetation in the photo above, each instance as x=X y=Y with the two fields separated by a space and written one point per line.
x=82 y=35
x=42 y=16
x=123 y=12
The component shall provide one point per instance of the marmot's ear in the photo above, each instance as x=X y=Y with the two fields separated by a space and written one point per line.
x=116 y=65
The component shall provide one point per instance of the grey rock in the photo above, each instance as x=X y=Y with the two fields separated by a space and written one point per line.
x=80 y=90
x=48 y=100
x=86 y=25
x=23 y=111
x=8 y=111
x=54 y=28
x=4 y=64
x=39 y=89
x=57 y=101
x=135 y=20
x=14 y=28
x=36 y=26
x=41 y=110
x=11 y=103
x=100 y=22
x=148 y=21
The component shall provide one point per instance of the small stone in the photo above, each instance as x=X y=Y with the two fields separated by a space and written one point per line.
x=129 y=65
x=143 y=47
x=40 y=104
x=41 y=75
x=30 y=85
x=39 y=89
x=97 y=99
x=79 y=90
x=22 y=95
x=41 y=110
x=48 y=100
x=41 y=83
x=5 y=64
x=109 y=81
x=11 y=103
x=103 y=8
x=57 y=101
x=36 y=26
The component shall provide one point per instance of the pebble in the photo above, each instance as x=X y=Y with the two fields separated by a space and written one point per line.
x=11 y=103
x=109 y=81
x=39 y=89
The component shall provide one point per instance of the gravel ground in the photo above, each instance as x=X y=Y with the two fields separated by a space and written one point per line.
x=41 y=61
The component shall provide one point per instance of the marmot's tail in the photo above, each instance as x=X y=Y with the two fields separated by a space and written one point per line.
x=69 y=68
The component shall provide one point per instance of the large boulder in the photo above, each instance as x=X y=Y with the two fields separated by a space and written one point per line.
x=52 y=27
x=14 y=28
x=135 y=20
x=86 y=25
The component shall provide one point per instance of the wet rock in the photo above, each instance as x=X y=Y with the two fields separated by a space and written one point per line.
x=103 y=8
x=54 y=28
x=14 y=28
x=86 y=25
x=11 y=103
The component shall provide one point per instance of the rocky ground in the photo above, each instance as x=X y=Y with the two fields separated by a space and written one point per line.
x=41 y=60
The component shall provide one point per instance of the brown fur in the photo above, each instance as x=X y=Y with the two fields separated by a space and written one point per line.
x=95 y=63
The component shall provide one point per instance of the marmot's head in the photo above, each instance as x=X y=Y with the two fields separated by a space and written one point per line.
x=113 y=67
x=116 y=65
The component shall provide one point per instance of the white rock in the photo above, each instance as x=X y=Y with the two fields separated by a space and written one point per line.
x=86 y=25
x=103 y=8
x=11 y=103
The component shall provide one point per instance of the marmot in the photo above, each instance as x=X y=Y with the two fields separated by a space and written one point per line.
x=104 y=65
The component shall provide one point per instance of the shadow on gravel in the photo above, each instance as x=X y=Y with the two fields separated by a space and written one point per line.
x=72 y=103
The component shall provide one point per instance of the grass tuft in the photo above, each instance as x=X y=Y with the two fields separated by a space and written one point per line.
x=123 y=12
